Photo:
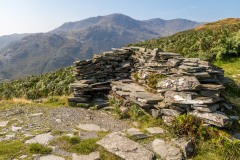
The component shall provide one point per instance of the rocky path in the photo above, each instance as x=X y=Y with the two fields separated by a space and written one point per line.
x=42 y=124
x=45 y=125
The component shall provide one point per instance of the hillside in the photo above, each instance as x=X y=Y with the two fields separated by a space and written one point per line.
x=44 y=52
x=217 y=40
x=35 y=87
x=6 y=40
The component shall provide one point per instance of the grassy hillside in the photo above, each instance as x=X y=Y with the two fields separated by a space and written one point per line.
x=217 y=40
x=35 y=87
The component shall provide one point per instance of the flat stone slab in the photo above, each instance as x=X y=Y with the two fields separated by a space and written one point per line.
x=146 y=97
x=91 y=156
x=156 y=130
x=87 y=135
x=91 y=127
x=41 y=138
x=187 y=98
x=3 y=123
x=136 y=93
x=51 y=157
x=219 y=119
x=166 y=150
x=184 y=83
x=125 y=148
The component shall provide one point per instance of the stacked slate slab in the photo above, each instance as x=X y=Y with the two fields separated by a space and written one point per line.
x=96 y=74
x=186 y=85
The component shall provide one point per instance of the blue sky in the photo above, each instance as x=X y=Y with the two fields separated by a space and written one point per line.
x=28 y=16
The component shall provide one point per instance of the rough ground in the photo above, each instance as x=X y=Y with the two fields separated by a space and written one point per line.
x=42 y=124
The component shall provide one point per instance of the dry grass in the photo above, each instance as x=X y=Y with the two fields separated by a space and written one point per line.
x=220 y=23
x=21 y=100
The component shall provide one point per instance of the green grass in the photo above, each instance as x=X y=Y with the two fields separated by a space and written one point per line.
x=10 y=150
x=35 y=87
x=37 y=148
x=74 y=144
x=86 y=146
x=218 y=149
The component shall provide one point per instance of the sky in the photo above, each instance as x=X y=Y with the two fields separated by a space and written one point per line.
x=31 y=16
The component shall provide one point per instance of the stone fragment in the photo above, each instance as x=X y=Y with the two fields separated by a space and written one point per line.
x=156 y=130
x=91 y=156
x=236 y=118
x=168 y=120
x=3 y=123
x=219 y=119
x=23 y=156
x=51 y=157
x=166 y=150
x=191 y=69
x=212 y=87
x=35 y=114
x=170 y=112
x=58 y=120
x=206 y=108
x=125 y=148
x=136 y=133
x=146 y=97
x=87 y=135
x=15 y=129
x=155 y=113
x=186 y=146
x=41 y=138
x=174 y=62
x=236 y=135
x=91 y=127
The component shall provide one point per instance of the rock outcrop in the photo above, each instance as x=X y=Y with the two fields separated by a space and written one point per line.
x=164 y=84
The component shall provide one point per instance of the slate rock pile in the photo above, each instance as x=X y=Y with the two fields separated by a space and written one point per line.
x=96 y=74
x=164 y=84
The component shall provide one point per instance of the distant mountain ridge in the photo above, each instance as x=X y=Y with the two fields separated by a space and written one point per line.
x=7 y=39
x=44 y=52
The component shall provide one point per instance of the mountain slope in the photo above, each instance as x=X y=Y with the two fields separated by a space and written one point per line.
x=217 y=40
x=43 y=52
x=6 y=40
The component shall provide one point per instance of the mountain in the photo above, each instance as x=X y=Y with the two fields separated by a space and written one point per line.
x=217 y=40
x=43 y=52
x=7 y=39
